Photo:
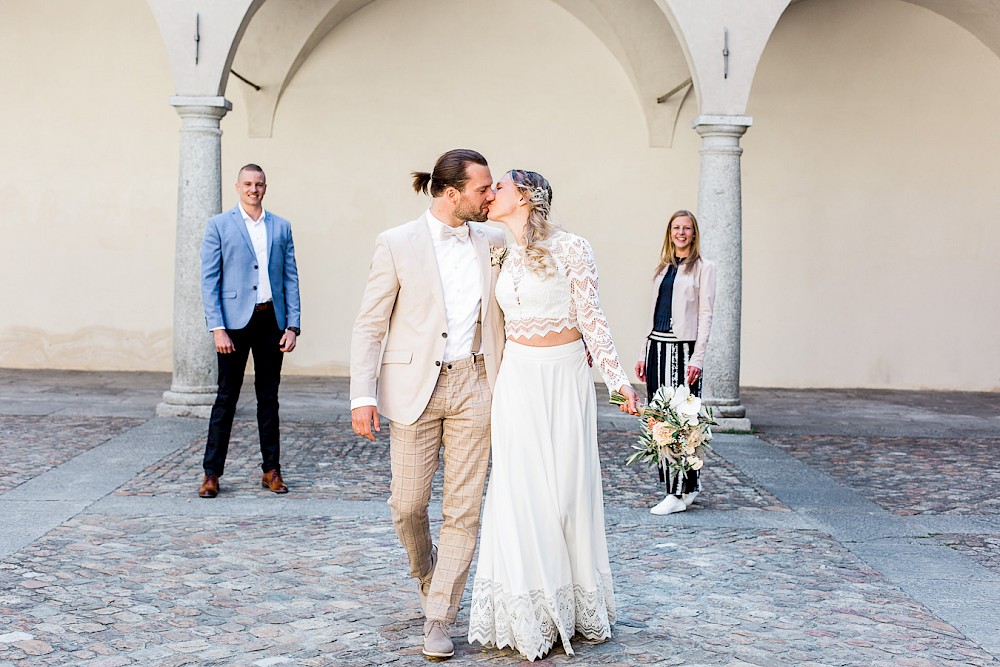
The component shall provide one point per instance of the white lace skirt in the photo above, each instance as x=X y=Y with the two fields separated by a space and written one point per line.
x=543 y=571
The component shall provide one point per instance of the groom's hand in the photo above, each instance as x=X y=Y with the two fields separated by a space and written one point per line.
x=363 y=418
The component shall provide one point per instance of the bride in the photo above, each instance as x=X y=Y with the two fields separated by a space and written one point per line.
x=543 y=571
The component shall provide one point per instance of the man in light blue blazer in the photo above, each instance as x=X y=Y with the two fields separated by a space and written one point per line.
x=250 y=290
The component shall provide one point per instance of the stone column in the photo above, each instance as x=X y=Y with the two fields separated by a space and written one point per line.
x=720 y=219
x=199 y=197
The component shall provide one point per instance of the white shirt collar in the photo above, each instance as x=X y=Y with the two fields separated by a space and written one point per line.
x=248 y=219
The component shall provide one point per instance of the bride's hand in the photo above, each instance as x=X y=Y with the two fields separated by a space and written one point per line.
x=632 y=406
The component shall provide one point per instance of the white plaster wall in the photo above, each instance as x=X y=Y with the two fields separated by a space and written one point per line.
x=387 y=92
x=870 y=202
x=88 y=186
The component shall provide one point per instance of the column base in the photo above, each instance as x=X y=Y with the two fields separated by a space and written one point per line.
x=193 y=402
x=730 y=414
x=732 y=425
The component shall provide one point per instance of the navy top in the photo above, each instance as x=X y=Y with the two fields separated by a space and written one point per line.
x=662 y=314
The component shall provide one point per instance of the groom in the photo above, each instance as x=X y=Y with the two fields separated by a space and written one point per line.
x=426 y=349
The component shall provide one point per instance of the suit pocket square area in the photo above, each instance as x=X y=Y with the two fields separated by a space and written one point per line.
x=397 y=357
x=229 y=295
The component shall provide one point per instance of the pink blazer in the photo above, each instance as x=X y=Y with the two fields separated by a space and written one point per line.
x=691 y=307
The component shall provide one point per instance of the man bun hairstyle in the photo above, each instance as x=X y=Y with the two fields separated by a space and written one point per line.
x=450 y=171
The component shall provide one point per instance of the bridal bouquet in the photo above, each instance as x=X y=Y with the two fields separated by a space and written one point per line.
x=675 y=430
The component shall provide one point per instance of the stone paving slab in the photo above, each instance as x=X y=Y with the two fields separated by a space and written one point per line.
x=100 y=470
x=329 y=461
x=33 y=444
x=984 y=549
x=873 y=412
x=907 y=476
x=81 y=393
x=328 y=590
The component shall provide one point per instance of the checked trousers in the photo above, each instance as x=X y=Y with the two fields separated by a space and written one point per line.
x=455 y=428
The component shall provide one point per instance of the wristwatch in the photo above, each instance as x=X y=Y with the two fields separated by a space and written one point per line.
x=295 y=330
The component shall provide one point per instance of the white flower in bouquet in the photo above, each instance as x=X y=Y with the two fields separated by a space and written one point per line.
x=679 y=396
x=664 y=394
x=688 y=409
x=695 y=463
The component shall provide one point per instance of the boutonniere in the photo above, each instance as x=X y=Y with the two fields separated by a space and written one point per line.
x=498 y=255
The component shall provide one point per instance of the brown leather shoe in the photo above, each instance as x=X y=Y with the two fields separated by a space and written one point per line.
x=209 y=487
x=272 y=480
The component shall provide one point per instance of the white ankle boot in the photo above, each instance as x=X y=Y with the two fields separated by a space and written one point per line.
x=688 y=498
x=669 y=505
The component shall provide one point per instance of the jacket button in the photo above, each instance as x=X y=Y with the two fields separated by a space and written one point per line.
x=437 y=363
x=255 y=288
x=255 y=266
x=444 y=335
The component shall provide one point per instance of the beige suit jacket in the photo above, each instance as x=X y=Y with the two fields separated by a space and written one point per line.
x=398 y=342
x=690 y=307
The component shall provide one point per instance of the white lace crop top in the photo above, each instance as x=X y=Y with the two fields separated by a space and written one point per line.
x=535 y=304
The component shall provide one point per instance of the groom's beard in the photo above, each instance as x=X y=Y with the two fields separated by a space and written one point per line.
x=466 y=211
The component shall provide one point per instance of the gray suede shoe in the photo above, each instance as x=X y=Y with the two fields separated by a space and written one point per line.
x=437 y=643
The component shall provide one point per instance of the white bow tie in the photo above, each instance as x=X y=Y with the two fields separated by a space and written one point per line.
x=461 y=232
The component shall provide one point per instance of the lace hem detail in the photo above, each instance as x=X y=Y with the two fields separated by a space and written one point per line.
x=531 y=622
x=537 y=326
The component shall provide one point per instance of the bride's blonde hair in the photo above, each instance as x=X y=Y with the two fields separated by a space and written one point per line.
x=538 y=193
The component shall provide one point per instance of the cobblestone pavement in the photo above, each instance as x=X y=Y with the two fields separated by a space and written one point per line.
x=245 y=592
x=33 y=444
x=329 y=461
x=907 y=475
x=760 y=572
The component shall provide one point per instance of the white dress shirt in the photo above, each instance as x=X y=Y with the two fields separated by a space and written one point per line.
x=462 y=285
x=258 y=236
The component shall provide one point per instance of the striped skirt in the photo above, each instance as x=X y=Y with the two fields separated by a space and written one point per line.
x=666 y=364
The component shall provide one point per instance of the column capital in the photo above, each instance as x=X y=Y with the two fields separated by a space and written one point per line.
x=207 y=101
x=201 y=107
x=731 y=121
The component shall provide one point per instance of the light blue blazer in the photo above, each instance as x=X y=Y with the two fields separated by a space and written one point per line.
x=229 y=271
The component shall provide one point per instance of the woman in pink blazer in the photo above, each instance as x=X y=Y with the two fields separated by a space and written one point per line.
x=680 y=319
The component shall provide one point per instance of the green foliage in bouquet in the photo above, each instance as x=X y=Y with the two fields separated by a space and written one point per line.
x=675 y=429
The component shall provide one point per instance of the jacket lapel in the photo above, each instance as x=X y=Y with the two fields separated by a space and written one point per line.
x=424 y=255
x=269 y=234
x=482 y=245
x=242 y=227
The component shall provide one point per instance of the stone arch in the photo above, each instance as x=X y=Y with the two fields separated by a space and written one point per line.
x=981 y=18
x=284 y=33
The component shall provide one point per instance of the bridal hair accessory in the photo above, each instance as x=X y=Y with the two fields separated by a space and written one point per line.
x=534 y=185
